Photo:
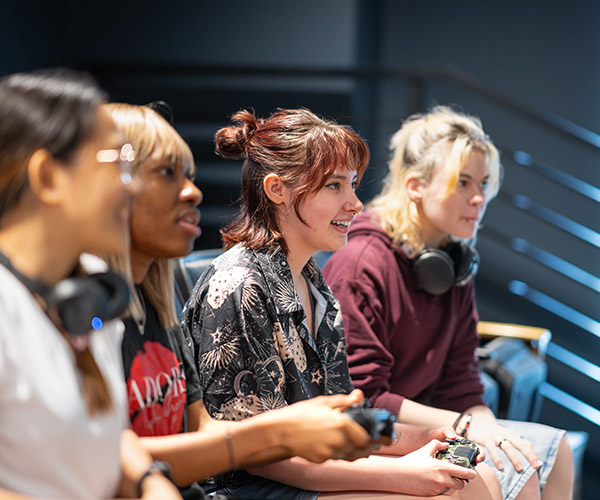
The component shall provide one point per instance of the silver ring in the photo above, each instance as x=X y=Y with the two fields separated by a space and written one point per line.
x=499 y=445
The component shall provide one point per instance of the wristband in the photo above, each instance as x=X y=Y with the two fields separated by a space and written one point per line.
x=467 y=425
x=162 y=467
x=457 y=421
x=228 y=438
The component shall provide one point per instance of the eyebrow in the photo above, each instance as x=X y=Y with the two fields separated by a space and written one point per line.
x=341 y=177
x=470 y=177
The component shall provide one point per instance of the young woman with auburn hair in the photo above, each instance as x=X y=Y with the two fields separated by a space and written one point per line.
x=267 y=328
x=165 y=397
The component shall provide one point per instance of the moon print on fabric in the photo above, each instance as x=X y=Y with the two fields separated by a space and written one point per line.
x=244 y=383
x=274 y=368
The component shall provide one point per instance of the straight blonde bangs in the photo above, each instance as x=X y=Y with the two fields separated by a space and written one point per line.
x=460 y=151
x=152 y=137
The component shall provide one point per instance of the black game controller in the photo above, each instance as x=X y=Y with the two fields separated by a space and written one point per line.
x=460 y=451
x=376 y=421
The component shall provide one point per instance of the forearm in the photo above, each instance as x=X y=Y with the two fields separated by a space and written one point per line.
x=375 y=473
x=11 y=495
x=481 y=410
x=420 y=414
x=193 y=456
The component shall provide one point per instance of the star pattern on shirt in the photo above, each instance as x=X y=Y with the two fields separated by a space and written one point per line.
x=250 y=341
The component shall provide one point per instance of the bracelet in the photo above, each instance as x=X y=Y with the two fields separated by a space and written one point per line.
x=229 y=440
x=467 y=425
x=162 y=467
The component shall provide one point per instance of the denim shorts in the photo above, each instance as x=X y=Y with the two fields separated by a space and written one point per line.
x=265 y=489
x=545 y=440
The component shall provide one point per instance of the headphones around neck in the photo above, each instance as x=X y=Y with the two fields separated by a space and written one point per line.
x=76 y=302
x=436 y=270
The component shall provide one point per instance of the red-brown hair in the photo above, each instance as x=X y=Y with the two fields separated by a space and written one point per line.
x=303 y=149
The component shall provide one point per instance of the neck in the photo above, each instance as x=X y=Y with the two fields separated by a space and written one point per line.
x=140 y=265
x=297 y=263
x=36 y=249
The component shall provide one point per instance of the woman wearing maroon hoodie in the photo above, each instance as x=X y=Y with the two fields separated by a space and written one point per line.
x=404 y=286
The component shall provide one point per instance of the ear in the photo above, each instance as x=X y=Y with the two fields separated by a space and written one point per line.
x=275 y=189
x=414 y=188
x=44 y=174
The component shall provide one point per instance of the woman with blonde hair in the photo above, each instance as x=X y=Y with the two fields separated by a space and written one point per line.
x=404 y=282
x=165 y=397
x=268 y=329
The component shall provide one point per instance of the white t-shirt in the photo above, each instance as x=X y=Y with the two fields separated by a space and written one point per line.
x=49 y=445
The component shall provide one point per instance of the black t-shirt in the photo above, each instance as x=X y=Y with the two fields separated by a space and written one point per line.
x=161 y=381
x=160 y=374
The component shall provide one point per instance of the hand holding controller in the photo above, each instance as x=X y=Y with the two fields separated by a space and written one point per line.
x=376 y=421
x=460 y=451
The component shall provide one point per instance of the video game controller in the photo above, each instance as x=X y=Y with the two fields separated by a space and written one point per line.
x=376 y=421
x=460 y=451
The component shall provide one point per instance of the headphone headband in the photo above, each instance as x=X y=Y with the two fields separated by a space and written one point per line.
x=76 y=302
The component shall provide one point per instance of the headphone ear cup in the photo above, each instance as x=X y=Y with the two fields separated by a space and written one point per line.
x=117 y=294
x=433 y=271
x=466 y=262
x=77 y=301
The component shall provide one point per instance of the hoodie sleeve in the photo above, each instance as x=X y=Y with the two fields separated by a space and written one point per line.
x=369 y=357
x=360 y=276
x=459 y=386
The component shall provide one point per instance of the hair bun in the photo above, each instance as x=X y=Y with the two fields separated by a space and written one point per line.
x=163 y=109
x=233 y=141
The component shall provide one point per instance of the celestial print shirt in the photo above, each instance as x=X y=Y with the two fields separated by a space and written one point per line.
x=252 y=346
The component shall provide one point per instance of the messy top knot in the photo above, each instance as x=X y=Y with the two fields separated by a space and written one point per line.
x=303 y=149
x=232 y=142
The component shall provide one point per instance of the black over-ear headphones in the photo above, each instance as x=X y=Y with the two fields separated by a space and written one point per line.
x=76 y=302
x=436 y=270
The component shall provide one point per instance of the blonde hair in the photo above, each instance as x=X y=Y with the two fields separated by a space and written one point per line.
x=418 y=148
x=151 y=137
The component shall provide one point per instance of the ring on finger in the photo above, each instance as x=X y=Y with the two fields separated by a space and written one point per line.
x=499 y=445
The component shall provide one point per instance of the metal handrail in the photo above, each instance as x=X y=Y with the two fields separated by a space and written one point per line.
x=418 y=77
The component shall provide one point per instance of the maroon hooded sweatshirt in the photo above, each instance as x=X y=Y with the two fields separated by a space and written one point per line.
x=403 y=342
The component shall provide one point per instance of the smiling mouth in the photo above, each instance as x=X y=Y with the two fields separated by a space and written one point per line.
x=341 y=223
